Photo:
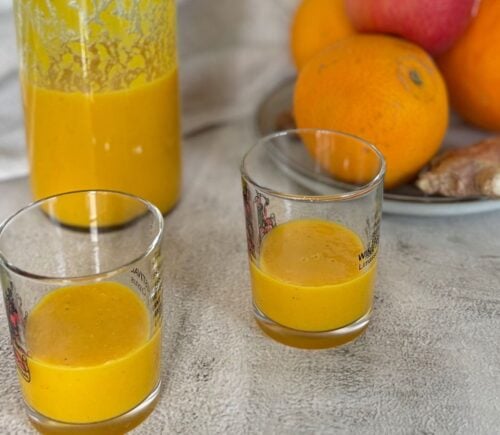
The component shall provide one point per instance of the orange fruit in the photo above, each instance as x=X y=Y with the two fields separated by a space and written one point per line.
x=472 y=68
x=316 y=25
x=383 y=89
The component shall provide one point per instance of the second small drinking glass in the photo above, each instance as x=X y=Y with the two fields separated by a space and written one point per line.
x=312 y=203
x=82 y=280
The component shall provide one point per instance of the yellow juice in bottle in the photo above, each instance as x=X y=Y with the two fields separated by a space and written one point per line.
x=126 y=140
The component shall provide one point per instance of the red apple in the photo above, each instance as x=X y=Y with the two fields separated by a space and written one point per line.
x=432 y=24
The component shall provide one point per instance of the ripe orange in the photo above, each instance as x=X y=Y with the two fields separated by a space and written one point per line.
x=383 y=89
x=316 y=25
x=472 y=68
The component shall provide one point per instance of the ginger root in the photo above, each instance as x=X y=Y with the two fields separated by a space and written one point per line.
x=470 y=171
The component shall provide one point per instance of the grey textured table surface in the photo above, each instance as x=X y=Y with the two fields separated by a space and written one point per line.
x=429 y=362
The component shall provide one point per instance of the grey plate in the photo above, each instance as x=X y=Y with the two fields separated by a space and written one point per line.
x=274 y=114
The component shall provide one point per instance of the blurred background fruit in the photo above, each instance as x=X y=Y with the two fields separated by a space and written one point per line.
x=380 y=88
x=472 y=69
x=433 y=24
x=317 y=24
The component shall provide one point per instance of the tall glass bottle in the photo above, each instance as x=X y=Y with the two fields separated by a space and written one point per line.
x=100 y=91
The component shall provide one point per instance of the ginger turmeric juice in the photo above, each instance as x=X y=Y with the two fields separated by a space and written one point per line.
x=308 y=276
x=125 y=140
x=92 y=353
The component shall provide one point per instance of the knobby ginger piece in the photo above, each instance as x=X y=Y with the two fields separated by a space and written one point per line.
x=470 y=171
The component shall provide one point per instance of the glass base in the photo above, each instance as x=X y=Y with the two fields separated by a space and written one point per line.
x=114 y=426
x=311 y=340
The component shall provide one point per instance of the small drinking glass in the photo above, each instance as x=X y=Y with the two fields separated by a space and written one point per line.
x=81 y=274
x=312 y=201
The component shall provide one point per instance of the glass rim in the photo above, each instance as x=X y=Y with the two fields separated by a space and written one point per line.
x=352 y=194
x=155 y=242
